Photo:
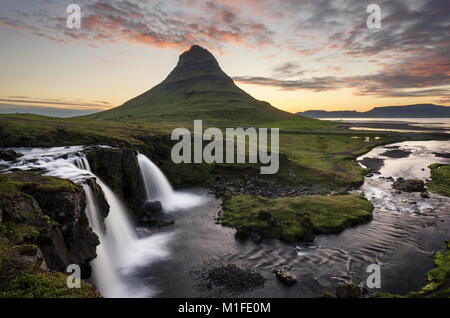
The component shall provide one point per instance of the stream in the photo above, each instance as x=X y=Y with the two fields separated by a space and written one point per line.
x=168 y=262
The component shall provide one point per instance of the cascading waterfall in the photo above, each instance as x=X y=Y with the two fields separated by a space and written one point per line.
x=120 y=251
x=158 y=188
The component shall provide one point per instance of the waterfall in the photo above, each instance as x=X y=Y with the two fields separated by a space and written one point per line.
x=158 y=188
x=121 y=251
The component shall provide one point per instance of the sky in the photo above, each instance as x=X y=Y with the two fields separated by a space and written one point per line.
x=296 y=54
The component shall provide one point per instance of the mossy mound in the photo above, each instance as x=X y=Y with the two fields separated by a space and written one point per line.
x=440 y=179
x=411 y=185
x=22 y=279
x=295 y=218
x=438 y=279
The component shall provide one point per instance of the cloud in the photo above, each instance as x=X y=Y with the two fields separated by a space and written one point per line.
x=59 y=103
x=411 y=51
x=177 y=24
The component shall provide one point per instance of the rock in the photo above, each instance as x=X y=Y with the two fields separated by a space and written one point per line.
x=152 y=206
x=255 y=237
x=286 y=276
x=425 y=195
x=119 y=169
x=242 y=234
x=411 y=185
x=50 y=213
x=349 y=290
x=232 y=278
x=31 y=254
x=9 y=155
x=100 y=199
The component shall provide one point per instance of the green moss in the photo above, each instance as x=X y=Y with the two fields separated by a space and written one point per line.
x=440 y=179
x=21 y=279
x=294 y=218
x=19 y=232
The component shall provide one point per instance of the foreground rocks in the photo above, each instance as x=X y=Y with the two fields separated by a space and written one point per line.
x=49 y=213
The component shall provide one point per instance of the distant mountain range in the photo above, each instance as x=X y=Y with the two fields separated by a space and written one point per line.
x=409 y=111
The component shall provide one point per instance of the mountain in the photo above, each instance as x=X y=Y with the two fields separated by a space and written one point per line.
x=197 y=88
x=409 y=111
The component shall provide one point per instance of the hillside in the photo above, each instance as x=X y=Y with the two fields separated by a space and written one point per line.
x=197 y=88
x=409 y=111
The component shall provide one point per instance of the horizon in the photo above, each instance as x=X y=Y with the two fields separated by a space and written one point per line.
x=323 y=52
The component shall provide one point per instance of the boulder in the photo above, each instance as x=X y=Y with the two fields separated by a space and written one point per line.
x=152 y=206
x=286 y=276
x=8 y=155
x=411 y=185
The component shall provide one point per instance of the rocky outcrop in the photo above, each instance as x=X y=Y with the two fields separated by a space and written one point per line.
x=99 y=196
x=8 y=155
x=412 y=185
x=50 y=213
x=119 y=169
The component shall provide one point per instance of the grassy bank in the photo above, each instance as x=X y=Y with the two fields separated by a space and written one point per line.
x=20 y=278
x=295 y=218
x=440 y=179
x=319 y=153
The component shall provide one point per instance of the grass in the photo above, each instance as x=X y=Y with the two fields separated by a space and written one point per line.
x=438 y=279
x=295 y=218
x=322 y=156
x=21 y=279
x=440 y=179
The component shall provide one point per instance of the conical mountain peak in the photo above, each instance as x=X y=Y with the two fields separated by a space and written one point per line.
x=196 y=61
x=197 y=88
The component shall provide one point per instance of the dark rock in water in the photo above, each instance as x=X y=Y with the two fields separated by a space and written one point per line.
x=374 y=164
x=9 y=155
x=286 y=276
x=232 y=278
x=425 y=195
x=349 y=290
x=119 y=169
x=152 y=206
x=397 y=153
x=442 y=155
x=411 y=185
x=242 y=234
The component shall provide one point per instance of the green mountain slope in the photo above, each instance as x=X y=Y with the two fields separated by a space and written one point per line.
x=197 y=88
